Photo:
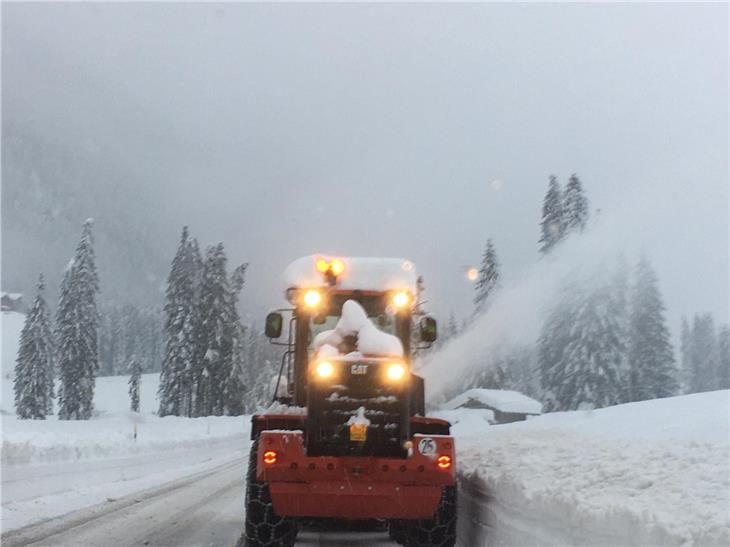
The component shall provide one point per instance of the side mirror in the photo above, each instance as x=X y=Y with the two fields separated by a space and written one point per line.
x=428 y=329
x=274 y=324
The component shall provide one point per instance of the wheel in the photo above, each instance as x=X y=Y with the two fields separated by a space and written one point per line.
x=264 y=528
x=439 y=531
x=397 y=530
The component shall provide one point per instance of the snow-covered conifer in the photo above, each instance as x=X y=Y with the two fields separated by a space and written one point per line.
x=552 y=225
x=33 y=382
x=175 y=388
x=488 y=279
x=704 y=355
x=575 y=206
x=135 y=375
x=723 y=357
x=234 y=389
x=212 y=342
x=581 y=348
x=618 y=303
x=651 y=357
x=77 y=324
x=685 y=351
x=260 y=368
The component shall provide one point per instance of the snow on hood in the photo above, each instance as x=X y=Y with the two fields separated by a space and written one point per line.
x=361 y=273
x=355 y=322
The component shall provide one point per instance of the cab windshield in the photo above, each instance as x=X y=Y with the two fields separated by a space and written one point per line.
x=384 y=321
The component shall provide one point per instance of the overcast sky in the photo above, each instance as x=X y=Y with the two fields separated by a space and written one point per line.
x=396 y=130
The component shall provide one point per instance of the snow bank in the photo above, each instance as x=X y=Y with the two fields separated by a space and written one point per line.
x=35 y=441
x=503 y=400
x=360 y=273
x=648 y=473
x=111 y=432
x=354 y=322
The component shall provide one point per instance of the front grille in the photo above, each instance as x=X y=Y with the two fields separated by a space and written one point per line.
x=331 y=405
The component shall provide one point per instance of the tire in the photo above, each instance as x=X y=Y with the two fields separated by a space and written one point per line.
x=264 y=528
x=397 y=530
x=439 y=531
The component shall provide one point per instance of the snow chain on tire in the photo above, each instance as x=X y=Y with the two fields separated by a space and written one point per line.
x=439 y=531
x=397 y=530
x=264 y=528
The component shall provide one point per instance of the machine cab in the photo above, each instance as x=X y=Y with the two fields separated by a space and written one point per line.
x=325 y=293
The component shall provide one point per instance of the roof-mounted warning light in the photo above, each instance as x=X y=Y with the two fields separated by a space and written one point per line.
x=330 y=269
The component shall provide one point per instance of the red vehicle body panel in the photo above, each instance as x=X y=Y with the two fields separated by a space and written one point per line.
x=354 y=487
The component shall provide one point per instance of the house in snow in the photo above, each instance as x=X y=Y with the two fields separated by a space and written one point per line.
x=12 y=302
x=507 y=406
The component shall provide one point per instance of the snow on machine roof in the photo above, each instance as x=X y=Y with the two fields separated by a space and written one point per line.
x=357 y=273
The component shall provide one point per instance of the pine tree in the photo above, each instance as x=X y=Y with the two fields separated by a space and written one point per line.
x=581 y=349
x=213 y=342
x=553 y=224
x=77 y=324
x=619 y=309
x=234 y=389
x=575 y=208
x=488 y=279
x=685 y=351
x=703 y=376
x=553 y=341
x=723 y=357
x=175 y=390
x=33 y=382
x=135 y=375
x=651 y=357
x=261 y=365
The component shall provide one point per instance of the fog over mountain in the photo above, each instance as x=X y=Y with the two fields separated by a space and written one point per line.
x=393 y=130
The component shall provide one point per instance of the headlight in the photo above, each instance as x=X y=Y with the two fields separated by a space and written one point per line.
x=325 y=369
x=396 y=371
x=401 y=299
x=312 y=298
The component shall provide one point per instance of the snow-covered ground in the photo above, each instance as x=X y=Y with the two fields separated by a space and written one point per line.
x=647 y=473
x=51 y=467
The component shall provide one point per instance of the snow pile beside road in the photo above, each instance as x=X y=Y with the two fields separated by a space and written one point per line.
x=111 y=432
x=33 y=441
x=648 y=473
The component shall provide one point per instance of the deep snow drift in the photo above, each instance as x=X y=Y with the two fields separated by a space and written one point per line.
x=647 y=473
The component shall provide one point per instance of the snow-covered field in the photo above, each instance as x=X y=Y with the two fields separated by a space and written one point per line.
x=51 y=467
x=647 y=473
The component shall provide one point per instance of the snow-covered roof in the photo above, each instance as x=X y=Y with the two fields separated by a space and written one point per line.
x=502 y=400
x=360 y=273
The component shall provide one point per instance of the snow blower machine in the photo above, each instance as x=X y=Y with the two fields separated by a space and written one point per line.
x=346 y=438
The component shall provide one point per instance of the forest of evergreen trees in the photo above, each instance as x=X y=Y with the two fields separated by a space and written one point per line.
x=605 y=338
x=209 y=362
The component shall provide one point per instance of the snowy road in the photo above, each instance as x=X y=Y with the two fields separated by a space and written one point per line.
x=201 y=509
x=205 y=508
